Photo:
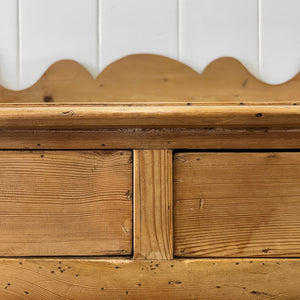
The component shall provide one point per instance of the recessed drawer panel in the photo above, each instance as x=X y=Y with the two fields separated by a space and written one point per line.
x=237 y=204
x=65 y=203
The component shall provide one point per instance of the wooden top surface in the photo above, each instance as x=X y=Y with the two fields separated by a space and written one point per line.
x=153 y=78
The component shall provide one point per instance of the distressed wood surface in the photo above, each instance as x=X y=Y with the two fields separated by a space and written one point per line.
x=237 y=204
x=153 y=202
x=148 y=116
x=124 y=279
x=137 y=138
x=154 y=78
x=65 y=203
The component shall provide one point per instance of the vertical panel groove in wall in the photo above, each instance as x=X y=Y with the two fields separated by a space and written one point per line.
x=19 y=44
x=259 y=37
x=178 y=30
x=99 y=34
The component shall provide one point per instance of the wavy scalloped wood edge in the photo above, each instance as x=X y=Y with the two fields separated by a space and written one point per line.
x=153 y=78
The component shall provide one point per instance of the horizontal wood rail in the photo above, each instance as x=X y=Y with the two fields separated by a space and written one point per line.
x=160 y=279
x=155 y=116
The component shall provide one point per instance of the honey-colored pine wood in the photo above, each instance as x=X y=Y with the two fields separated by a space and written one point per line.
x=80 y=202
x=151 y=91
x=221 y=279
x=65 y=203
x=137 y=138
x=153 y=201
x=154 y=78
x=237 y=204
x=142 y=116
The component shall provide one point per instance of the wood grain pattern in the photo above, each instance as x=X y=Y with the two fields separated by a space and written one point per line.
x=237 y=204
x=65 y=203
x=125 y=279
x=148 y=116
x=154 y=78
x=153 y=198
x=137 y=138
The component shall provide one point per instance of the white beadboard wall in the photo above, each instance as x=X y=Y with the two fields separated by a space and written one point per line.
x=262 y=34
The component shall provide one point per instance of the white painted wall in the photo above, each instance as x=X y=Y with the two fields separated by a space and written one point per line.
x=263 y=34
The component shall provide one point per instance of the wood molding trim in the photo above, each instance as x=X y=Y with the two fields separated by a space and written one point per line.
x=137 y=138
x=95 y=117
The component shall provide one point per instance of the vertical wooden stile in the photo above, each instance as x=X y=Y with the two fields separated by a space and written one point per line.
x=153 y=204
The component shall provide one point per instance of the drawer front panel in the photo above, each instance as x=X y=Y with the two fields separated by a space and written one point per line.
x=65 y=203
x=237 y=204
